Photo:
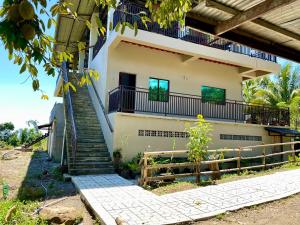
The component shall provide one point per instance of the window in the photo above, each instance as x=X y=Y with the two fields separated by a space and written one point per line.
x=158 y=90
x=212 y=94
x=240 y=137
x=160 y=133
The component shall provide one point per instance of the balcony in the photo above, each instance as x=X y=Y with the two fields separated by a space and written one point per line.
x=136 y=100
x=127 y=12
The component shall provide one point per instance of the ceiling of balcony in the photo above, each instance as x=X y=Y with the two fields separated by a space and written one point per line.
x=272 y=26
x=69 y=30
x=269 y=25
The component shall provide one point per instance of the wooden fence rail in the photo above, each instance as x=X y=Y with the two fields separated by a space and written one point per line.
x=147 y=169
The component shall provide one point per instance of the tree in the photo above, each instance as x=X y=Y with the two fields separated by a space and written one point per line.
x=23 y=31
x=5 y=130
x=199 y=138
x=29 y=135
x=13 y=140
x=281 y=90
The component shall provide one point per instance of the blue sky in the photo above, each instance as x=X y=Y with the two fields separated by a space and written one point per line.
x=18 y=102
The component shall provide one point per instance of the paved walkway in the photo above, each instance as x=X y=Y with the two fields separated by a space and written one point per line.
x=112 y=196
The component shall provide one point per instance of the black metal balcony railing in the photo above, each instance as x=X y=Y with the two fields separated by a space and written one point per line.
x=127 y=12
x=130 y=99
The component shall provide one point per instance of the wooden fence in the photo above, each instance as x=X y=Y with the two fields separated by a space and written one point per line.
x=147 y=169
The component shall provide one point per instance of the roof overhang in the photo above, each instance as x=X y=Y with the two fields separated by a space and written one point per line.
x=287 y=132
x=69 y=31
x=266 y=25
x=270 y=26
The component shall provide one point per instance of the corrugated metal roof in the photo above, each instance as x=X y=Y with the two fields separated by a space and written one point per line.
x=69 y=31
x=287 y=17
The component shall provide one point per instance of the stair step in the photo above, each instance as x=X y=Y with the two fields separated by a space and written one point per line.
x=91 y=140
x=82 y=165
x=92 y=149
x=92 y=154
x=91 y=159
x=95 y=144
x=84 y=171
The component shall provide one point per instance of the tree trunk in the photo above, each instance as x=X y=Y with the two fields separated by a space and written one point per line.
x=197 y=168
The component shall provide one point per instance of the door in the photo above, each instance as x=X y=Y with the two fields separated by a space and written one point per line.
x=127 y=84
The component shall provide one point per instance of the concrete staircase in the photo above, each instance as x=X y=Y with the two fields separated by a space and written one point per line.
x=92 y=156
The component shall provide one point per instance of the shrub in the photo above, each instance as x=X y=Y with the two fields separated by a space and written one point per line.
x=20 y=215
x=199 y=138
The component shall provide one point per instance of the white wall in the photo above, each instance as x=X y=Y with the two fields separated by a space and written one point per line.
x=128 y=125
x=184 y=77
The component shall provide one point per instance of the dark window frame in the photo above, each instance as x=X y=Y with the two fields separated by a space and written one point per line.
x=157 y=94
x=223 y=102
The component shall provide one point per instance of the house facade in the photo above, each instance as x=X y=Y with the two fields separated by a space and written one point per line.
x=153 y=85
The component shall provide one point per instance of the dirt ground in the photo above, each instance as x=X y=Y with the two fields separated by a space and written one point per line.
x=26 y=173
x=28 y=170
x=282 y=212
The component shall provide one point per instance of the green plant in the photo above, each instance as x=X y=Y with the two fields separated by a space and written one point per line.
x=131 y=168
x=5 y=190
x=295 y=160
x=20 y=214
x=117 y=154
x=199 y=138
x=57 y=173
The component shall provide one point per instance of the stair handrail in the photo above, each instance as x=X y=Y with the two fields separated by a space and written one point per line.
x=101 y=105
x=38 y=139
x=70 y=111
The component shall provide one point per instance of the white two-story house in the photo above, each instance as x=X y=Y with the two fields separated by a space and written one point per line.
x=153 y=85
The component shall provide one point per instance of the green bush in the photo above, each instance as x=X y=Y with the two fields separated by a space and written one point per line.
x=20 y=215
x=199 y=138
x=4 y=145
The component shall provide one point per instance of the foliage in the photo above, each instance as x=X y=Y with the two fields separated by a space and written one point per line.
x=9 y=137
x=131 y=168
x=4 y=145
x=199 y=138
x=41 y=145
x=28 y=135
x=23 y=29
x=20 y=216
x=117 y=154
x=6 y=130
x=281 y=90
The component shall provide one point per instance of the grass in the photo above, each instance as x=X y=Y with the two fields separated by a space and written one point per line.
x=21 y=214
x=174 y=187
x=167 y=188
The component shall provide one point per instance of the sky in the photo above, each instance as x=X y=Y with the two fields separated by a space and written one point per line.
x=18 y=102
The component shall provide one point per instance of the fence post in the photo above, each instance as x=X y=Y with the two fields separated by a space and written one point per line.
x=145 y=170
x=264 y=158
x=294 y=153
x=239 y=161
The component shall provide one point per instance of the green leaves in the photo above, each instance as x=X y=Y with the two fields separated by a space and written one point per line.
x=23 y=68
x=199 y=138
x=35 y=85
x=69 y=85
x=168 y=11
x=31 y=49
